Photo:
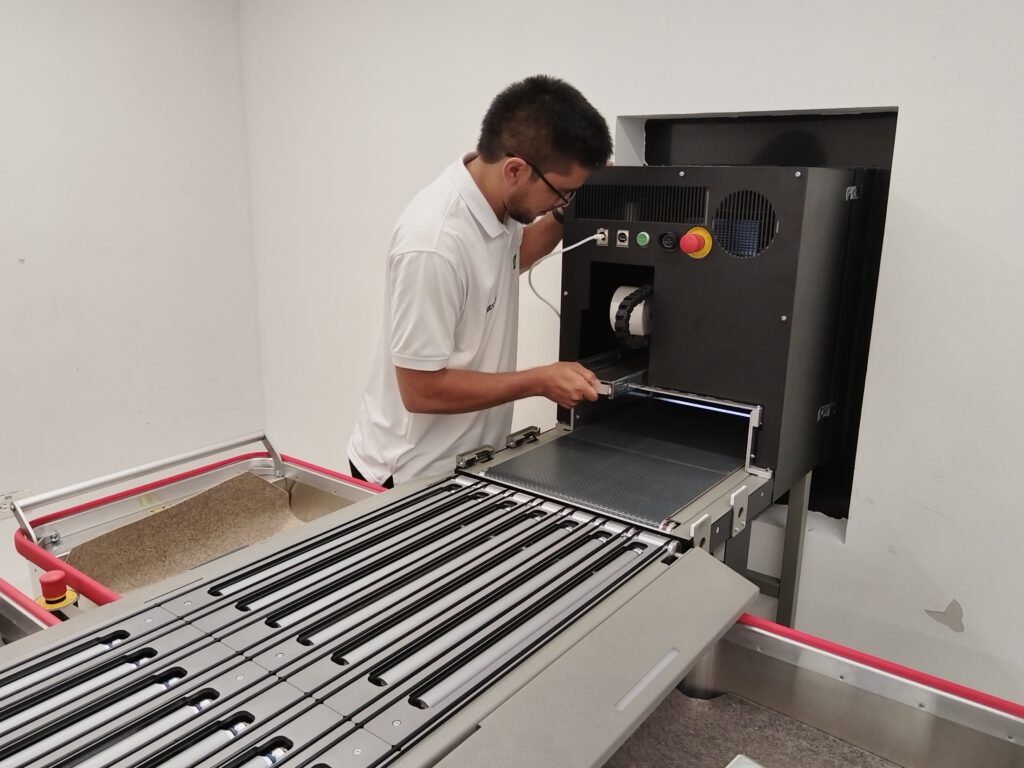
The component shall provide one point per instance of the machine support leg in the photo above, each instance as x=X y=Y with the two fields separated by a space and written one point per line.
x=737 y=554
x=793 y=550
x=737 y=549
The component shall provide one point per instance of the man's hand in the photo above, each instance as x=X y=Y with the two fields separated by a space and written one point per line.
x=567 y=383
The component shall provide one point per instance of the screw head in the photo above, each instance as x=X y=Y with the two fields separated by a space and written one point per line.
x=798 y=174
x=784 y=318
x=682 y=173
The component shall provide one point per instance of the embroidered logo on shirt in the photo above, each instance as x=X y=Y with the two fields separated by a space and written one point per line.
x=515 y=260
x=491 y=305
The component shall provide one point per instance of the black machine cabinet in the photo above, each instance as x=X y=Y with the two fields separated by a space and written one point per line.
x=753 y=320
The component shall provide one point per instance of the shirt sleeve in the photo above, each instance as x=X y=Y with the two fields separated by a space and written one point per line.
x=427 y=298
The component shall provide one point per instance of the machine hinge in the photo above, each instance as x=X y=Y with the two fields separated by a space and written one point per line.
x=700 y=533
x=853 y=193
x=828 y=409
x=476 y=456
x=525 y=435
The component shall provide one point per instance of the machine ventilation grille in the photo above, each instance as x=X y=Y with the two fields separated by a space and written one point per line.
x=641 y=202
x=744 y=224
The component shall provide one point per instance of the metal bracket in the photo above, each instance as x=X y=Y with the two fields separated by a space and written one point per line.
x=755 y=423
x=278 y=464
x=740 y=501
x=22 y=519
x=476 y=456
x=700 y=532
x=852 y=193
x=525 y=435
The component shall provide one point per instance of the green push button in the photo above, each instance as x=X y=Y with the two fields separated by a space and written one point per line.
x=642 y=239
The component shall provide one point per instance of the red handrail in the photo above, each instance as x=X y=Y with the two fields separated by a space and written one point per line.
x=31 y=606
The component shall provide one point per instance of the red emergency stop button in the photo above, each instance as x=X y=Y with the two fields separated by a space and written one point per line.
x=691 y=243
x=696 y=243
x=54 y=585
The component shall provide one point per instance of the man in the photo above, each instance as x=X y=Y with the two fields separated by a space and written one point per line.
x=443 y=378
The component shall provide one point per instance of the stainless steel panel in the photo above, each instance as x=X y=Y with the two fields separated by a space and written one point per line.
x=909 y=724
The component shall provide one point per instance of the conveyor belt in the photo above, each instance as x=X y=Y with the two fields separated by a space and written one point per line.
x=343 y=649
x=644 y=464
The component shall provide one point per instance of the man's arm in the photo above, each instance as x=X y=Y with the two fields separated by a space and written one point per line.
x=539 y=239
x=455 y=391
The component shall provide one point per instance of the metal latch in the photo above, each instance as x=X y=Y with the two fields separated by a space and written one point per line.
x=476 y=456
x=525 y=435
x=740 y=501
x=828 y=409
x=613 y=388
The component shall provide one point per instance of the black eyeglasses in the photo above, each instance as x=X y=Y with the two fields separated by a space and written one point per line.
x=565 y=197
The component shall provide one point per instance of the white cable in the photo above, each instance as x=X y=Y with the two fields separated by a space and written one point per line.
x=529 y=272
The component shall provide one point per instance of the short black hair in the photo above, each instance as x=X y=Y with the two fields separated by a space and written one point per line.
x=546 y=121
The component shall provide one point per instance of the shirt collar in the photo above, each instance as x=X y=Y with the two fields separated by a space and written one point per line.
x=474 y=198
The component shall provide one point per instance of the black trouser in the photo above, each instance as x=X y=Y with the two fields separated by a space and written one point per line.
x=389 y=483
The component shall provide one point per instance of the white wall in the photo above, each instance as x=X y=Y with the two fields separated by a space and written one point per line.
x=353 y=106
x=128 y=321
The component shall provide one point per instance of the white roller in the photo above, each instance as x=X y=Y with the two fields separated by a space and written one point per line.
x=639 y=318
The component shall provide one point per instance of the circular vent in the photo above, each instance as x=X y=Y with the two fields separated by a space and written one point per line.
x=744 y=224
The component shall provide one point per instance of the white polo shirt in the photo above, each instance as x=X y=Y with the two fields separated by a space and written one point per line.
x=451 y=301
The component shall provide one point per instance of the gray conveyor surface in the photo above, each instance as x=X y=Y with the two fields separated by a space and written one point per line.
x=346 y=646
x=644 y=464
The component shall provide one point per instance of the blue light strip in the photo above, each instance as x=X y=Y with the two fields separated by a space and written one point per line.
x=693 y=404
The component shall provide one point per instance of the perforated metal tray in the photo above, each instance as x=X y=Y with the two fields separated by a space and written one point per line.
x=644 y=464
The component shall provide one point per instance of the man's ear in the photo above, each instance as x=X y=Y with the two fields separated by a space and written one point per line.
x=514 y=171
